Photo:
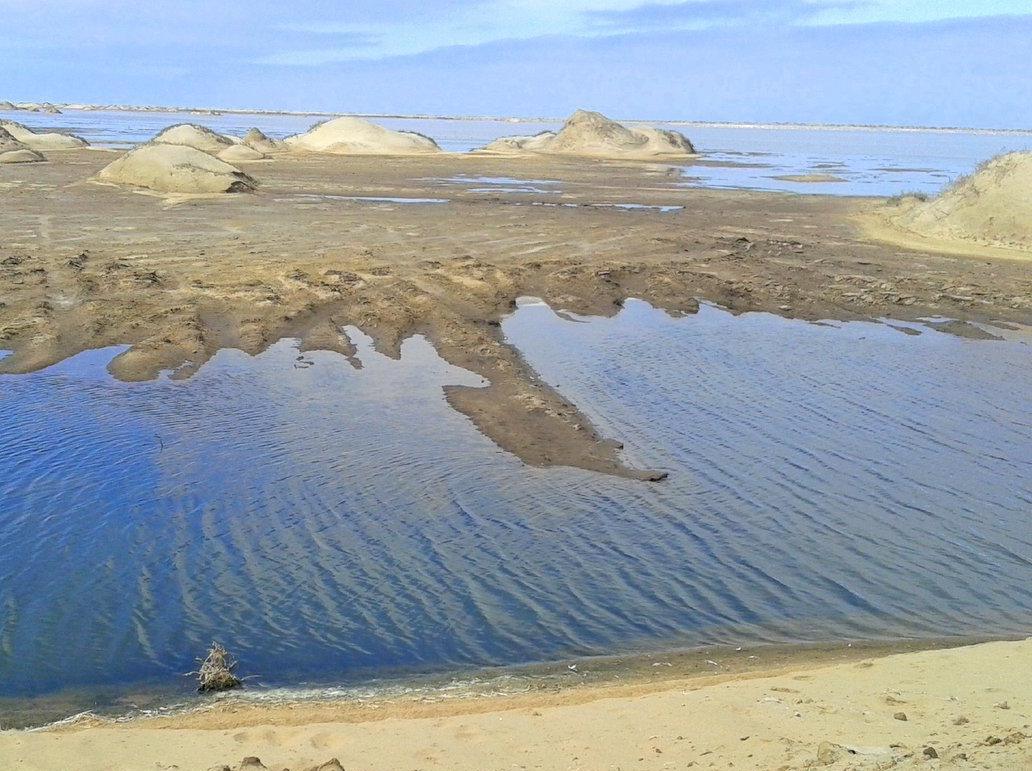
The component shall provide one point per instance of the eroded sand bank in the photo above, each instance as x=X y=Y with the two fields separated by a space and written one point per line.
x=85 y=266
x=968 y=707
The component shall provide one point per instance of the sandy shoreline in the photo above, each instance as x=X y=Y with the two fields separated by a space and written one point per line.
x=858 y=709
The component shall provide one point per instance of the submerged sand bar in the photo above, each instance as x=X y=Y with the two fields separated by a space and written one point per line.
x=84 y=266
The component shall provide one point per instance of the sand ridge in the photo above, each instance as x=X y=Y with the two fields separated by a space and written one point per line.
x=42 y=141
x=991 y=207
x=193 y=135
x=174 y=168
x=593 y=135
x=355 y=136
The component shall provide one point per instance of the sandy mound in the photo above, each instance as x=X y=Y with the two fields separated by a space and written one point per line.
x=176 y=169
x=20 y=156
x=257 y=140
x=354 y=136
x=593 y=135
x=533 y=144
x=191 y=135
x=34 y=141
x=241 y=153
x=8 y=142
x=8 y=106
x=992 y=207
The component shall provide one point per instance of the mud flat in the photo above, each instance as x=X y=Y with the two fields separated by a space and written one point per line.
x=857 y=709
x=85 y=266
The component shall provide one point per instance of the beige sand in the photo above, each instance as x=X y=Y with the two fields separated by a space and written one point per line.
x=20 y=156
x=538 y=143
x=45 y=141
x=14 y=151
x=354 y=136
x=175 y=169
x=195 y=136
x=593 y=135
x=959 y=708
x=992 y=207
x=257 y=140
x=240 y=152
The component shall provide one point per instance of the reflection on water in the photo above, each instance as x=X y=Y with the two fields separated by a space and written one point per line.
x=870 y=163
x=328 y=523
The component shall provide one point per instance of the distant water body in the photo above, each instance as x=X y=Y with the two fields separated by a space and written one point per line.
x=881 y=162
x=328 y=524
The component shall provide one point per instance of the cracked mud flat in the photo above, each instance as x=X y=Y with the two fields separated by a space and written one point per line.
x=87 y=266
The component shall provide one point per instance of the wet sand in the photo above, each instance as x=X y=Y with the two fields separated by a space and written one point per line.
x=84 y=266
x=861 y=708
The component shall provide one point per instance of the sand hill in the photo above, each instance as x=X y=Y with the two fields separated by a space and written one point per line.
x=47 y=141
x=20 y=156
x=176 y=169
x=532 y=144
x=992 y=207
x=191 y=135
x=593 y=135
x=13 y=151
x=8 y=142
x=354 y=136
x=240 y=152
x=257 y=140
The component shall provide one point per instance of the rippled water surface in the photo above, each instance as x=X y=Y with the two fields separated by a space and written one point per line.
x=862 y=162
x=330 y=523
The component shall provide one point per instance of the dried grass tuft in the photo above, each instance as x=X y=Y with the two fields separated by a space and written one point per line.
x=216 y=672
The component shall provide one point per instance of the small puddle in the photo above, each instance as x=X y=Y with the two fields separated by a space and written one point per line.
x=369 y=199
x=500 y=184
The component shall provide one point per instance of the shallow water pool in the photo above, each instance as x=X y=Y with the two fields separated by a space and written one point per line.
x=328 y=524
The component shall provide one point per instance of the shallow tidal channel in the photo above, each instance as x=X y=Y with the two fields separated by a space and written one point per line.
x=329 y=524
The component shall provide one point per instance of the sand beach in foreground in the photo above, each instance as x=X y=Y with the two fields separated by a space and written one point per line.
x=967 y=707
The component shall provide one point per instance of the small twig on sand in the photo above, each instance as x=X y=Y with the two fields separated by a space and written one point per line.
x=216 y=672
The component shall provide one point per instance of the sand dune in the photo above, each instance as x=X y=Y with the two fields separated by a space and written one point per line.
x=958 y=708
x=992 y=207
x=176 y=169
x=257 y=140
x=45 y=141
x=354 y=136
x=195 y=136
x=240 y=152
x=8 y=144
x=538 y=143
x=20 y=156
x=593 y=135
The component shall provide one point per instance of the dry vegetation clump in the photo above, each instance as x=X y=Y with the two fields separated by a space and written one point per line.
x=216 y=672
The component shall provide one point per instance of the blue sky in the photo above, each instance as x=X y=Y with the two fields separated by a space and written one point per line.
x=929 y=62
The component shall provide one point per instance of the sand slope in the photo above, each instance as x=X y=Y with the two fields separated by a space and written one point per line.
x=354 y=136
x=959 y=708
x=195 y=136
x=44 y=141
x=992 y=207
x=538 y=143
x=20 y=156
x=593 y=135
x=176 y=169
x=257 y=140
x=13 y=151
x=240 y=152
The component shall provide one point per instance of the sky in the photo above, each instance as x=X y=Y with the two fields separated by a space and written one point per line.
x=901 y=62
